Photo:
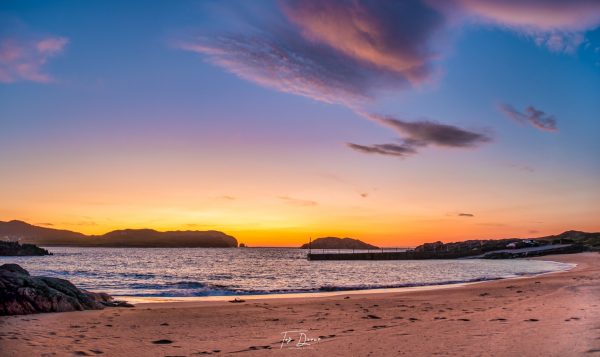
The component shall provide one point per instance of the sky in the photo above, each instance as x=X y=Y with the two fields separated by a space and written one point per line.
x=395 y=123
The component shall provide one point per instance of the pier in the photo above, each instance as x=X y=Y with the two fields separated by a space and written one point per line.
x=388 y=254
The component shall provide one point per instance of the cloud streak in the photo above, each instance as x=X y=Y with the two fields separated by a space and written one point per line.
x=399 y=150
x=535 y=117
x=24 y=60
x=419 y=134
x=297 y=202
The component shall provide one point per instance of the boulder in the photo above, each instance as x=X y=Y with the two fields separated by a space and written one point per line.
x=21 y=294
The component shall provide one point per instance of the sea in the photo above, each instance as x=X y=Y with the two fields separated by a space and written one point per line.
x=197 y=272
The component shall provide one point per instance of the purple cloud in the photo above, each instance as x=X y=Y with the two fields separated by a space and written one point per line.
x=399 y=150
x=23 y=60
x=422 y=133
x=537 y=118
x=336 y=52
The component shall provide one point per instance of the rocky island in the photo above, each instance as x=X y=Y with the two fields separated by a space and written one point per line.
x=337 y=243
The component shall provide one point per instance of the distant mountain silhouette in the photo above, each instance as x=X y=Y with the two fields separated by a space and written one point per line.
x=338 y=243
x=27 y=233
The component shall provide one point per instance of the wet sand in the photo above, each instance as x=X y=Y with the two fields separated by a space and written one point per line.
x=549 y=315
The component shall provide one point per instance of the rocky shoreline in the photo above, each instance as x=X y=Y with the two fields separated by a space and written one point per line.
x=22 y=294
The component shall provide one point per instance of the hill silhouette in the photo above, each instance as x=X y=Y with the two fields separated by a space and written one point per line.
x=28 y=233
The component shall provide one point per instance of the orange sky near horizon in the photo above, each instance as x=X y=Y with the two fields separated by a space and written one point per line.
x=274 y=211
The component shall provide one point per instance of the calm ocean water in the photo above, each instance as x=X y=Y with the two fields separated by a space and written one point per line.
x=204 y=272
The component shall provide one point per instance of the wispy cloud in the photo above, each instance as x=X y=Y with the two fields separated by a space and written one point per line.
x=559 y=25
x=466 y=215
x=521 y=167
x=336 y=52
x=535 y=117
x=399 y=150
x=24 y=60
x=297 y=202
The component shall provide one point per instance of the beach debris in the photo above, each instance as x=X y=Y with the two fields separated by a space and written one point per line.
x=237 y=300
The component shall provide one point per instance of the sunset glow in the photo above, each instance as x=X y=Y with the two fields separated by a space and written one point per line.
x=275 y=122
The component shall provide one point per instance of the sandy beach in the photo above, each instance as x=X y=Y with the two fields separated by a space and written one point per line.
x=555 y=314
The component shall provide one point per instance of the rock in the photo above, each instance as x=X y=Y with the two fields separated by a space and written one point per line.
x=338 y=243
x=14 y=268
x=16 y=249
x=21 y=294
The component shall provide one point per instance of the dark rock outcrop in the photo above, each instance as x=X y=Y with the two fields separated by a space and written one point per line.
x=28 y=233
x=338 y=243
x=16 y=249
x=21 y=294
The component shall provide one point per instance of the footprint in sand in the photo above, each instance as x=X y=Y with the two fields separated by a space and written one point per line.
x=254 y=348
x=375 y=317
x=532 y=320
x=162 y=342
x=463 y=320
x=328 y=336
x=498 y=319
